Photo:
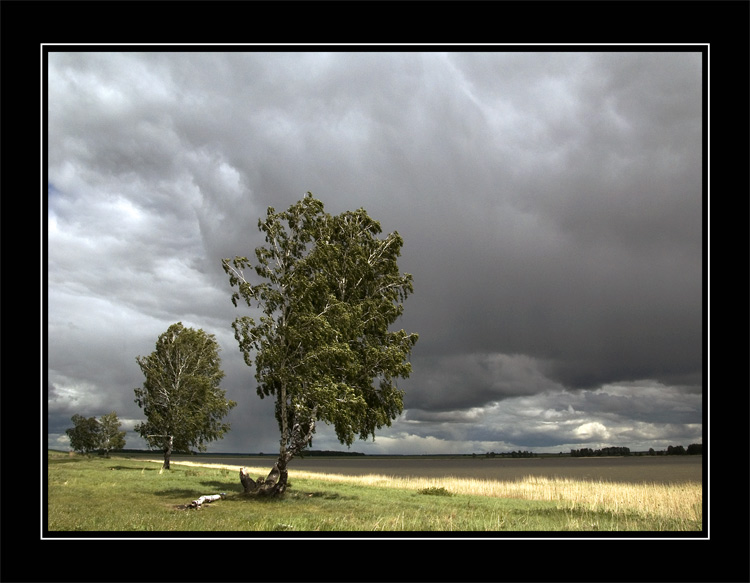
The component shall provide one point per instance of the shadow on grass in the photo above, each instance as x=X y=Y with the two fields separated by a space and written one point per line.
x=256 y=498
x=134 y=469
x=179 y=492
x=222 y=486
x=243 y=498
x=67 y=460
x=307 y=494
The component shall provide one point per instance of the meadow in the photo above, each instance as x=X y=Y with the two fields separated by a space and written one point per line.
x=121 y=494
x=631 y=469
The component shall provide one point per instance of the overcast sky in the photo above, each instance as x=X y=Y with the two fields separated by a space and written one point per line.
x=550 y=203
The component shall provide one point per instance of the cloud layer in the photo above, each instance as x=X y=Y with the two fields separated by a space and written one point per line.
x=550 y=204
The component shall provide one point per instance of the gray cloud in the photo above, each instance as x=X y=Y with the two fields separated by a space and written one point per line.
x=550 y=203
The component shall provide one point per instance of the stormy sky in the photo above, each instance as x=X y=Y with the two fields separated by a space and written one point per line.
x=550 y=202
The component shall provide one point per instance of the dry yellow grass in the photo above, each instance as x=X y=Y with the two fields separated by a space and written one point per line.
x=682 y=501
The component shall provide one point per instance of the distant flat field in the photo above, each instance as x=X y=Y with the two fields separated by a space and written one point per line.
x=633 y=469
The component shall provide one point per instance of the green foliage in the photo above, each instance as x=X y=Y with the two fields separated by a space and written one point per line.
x=88 y=435
x=110 y=436
x=435 y=491
x=84 y=435
x=329 y=290
x=695 y=449
x=181 y=397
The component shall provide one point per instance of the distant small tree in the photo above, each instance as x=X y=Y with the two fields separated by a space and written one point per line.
x=181 y=397
x=110 y=436
x=84 y=435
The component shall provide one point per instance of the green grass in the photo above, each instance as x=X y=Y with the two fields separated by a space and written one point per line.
x=120 y=494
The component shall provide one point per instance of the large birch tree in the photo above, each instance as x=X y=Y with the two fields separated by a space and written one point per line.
x=328 y=289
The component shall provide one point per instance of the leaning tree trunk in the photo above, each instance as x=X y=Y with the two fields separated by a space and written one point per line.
x=275 y=484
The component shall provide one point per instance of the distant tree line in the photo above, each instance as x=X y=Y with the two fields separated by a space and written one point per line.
x=692 y=449
x=506 y=454
x=605 y=451
x=317 y=452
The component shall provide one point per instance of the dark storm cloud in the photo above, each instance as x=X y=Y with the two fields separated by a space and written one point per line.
x=550 y=204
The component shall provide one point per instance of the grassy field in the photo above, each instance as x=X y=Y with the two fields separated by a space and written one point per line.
x=120 y=494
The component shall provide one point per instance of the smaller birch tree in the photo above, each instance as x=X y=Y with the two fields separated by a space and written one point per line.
x=110 y=436
x=180 y=397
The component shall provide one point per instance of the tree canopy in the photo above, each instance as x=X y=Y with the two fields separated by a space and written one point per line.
x=110 y=436
x=181 y=397
x=329 y=289
x=88 y=434
x=84 y=435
